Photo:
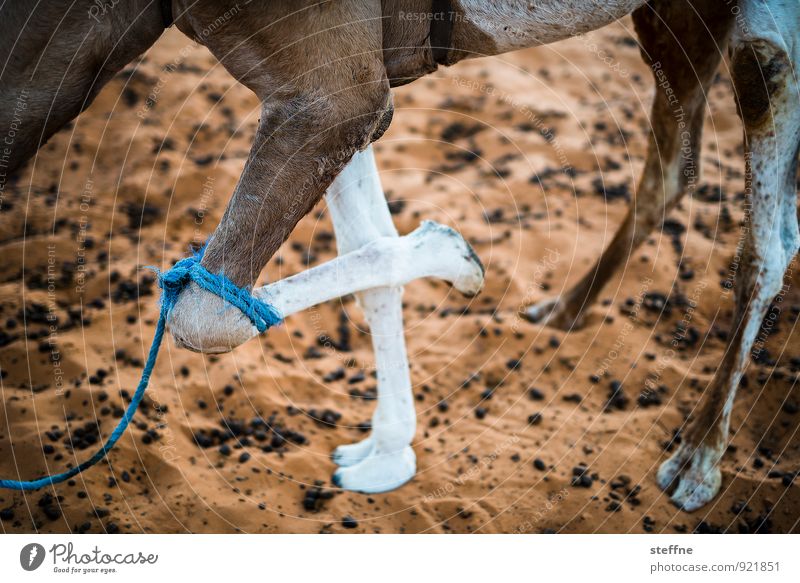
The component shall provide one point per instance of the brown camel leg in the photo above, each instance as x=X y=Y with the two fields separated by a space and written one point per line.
x=683 y=44
x=769 y=105
x=318 y=70
x=56 y=57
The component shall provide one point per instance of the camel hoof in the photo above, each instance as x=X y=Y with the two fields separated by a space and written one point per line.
x=695 y=475
x=378 y=472
x=553 y=312
x=352 y=453
x=462 y=267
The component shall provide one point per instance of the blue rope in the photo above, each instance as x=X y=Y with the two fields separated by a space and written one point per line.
x=172 y=282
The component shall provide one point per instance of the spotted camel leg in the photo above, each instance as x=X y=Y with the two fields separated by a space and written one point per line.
x=384 y=460
x=683 y=45
x=765 y=54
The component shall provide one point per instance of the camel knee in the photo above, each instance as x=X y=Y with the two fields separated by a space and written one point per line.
x=328 y=128
x=761 y=59
x=362 y=120
x=761 y=70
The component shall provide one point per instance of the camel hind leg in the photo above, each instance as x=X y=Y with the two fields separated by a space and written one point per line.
x=384 y=460
x=764 y=74
x=683 y=44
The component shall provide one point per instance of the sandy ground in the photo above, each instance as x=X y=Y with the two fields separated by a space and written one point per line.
x=532 y=156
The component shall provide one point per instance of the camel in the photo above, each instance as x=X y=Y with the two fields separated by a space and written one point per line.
x=324 y=72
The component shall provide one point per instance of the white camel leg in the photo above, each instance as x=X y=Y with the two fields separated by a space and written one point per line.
x=384 y=460
x=204 y=322
x=360 y=214
x=432 y=250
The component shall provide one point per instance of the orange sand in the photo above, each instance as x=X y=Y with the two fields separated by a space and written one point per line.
x=531 y=112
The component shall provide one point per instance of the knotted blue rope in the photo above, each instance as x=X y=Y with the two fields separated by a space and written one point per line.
x=172 y=282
